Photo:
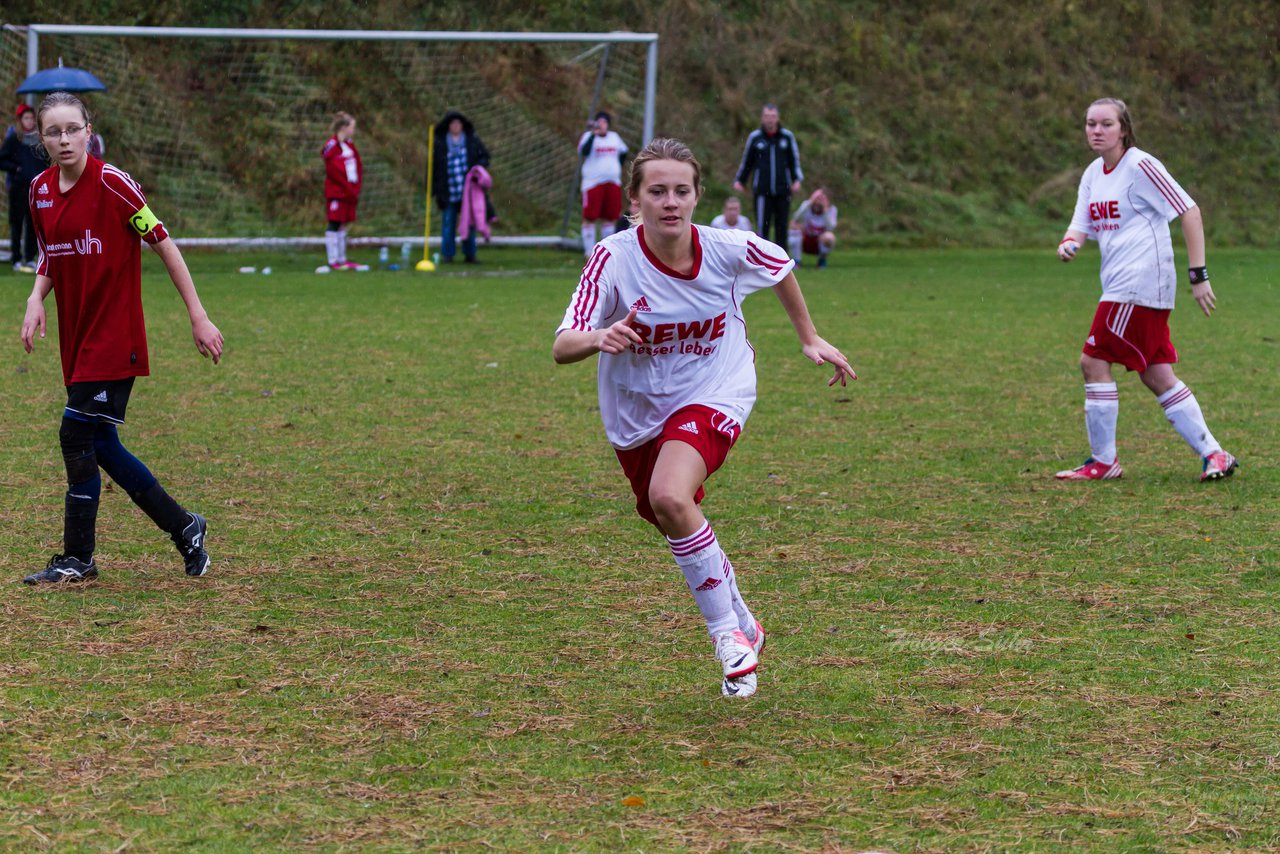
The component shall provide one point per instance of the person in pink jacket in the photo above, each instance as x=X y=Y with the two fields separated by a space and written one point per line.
x=475 y=203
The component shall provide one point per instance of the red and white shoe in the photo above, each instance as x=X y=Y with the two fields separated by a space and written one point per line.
x=737 y=654
x=1091 y=469
x=1218 y=465
x=740 y=688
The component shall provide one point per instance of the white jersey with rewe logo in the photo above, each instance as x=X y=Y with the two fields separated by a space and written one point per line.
x=1128 y=210
x=695 y=347
x=603 y=163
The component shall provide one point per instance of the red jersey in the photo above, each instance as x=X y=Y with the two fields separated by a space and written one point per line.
x=342 y=170
x=89 y=246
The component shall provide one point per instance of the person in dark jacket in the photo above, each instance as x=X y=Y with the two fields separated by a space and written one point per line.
x=457 y=150
x=772 y=154
x=20 y=156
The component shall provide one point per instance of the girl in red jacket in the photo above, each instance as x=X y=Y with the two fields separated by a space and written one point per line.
x=342 y=175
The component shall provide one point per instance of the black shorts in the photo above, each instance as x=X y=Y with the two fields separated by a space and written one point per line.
x=101 y=400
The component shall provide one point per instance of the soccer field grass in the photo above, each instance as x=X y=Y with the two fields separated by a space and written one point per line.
x=434 y=621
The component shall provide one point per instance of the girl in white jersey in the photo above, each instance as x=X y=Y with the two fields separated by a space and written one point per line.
x=661 y=304
x=1126 y=200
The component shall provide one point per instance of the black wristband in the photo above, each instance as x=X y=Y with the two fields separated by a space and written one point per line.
x=1198 y=274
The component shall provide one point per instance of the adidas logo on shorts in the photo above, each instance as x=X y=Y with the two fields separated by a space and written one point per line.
x=1090 y=341
x=101 y=396
x=691 y=427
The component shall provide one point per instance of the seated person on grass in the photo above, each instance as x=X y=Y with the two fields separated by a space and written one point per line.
x=813 y=228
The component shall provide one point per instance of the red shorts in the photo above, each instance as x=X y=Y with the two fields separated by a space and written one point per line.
x=340 y=210
x=809 y=244
x=1131 y=335
x=603 y=201
x=711 y=434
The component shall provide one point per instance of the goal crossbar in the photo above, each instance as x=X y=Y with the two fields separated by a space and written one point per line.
x=650 y=39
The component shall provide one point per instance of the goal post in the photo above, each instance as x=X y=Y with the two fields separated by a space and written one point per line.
x=223 y=126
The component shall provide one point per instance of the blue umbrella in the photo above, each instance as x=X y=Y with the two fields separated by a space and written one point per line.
x=61 y=79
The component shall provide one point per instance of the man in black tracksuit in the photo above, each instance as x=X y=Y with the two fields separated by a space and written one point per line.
x=771 y=152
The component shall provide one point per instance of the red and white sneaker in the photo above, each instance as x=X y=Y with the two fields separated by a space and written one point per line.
x=737 y=654
x=1091 y=469
x=740 y=688
x=1218 y=465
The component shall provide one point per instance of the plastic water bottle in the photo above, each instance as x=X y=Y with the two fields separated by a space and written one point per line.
x=383 y=256
x=404 y=254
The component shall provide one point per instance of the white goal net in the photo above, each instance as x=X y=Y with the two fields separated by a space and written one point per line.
x=224 y=128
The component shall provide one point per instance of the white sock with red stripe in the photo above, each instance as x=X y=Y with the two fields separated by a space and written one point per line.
x=588 y=237
x=331 y=247
x=1183 y=412
x=1101 y=410
x=705 y=571
x=795 y=243
x=342 y=246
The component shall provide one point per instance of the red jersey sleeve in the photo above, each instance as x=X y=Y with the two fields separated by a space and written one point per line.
x=131 y=205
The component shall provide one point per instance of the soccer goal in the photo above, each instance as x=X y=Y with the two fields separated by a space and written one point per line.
x=223 y=127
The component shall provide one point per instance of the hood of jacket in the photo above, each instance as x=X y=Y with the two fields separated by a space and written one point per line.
x=442 y=127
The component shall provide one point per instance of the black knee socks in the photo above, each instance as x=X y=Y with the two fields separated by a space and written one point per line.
x=84 y=488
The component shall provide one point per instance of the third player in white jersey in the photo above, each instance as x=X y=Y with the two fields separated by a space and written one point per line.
x=1128 y=210
x=1127 y=200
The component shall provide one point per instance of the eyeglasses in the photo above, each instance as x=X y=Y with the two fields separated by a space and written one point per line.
x=54 y=135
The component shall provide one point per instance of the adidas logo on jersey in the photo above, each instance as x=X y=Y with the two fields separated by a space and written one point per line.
x=101 y=396
x=691 y=427
x=44 y=190
x=641 y=304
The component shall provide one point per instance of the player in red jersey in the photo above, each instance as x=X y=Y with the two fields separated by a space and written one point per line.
x=89 y=217
x=343 y=173
x=661 y=304
x=1126 y=200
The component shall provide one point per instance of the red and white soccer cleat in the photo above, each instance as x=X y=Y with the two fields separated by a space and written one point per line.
x=736 y=653
x=1091 y=469
x=1218 y=465
x=740 y=688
